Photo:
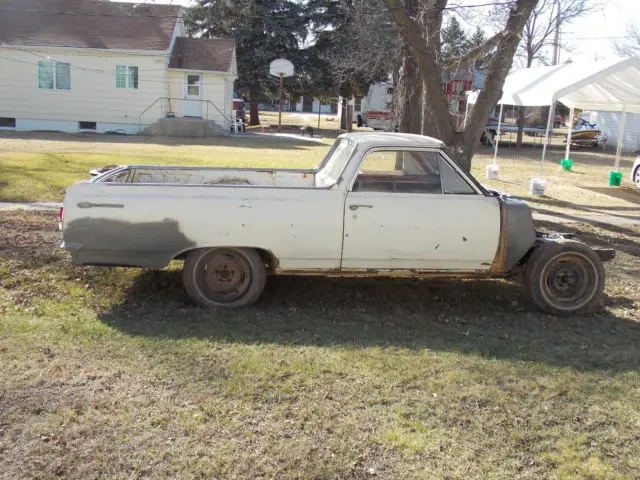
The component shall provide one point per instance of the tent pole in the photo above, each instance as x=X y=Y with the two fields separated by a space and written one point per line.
x=620 y=137
x=568 y=150
x=495 y=151
x=552 y=109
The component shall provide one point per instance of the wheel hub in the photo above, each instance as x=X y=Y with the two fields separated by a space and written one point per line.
x=225 y=276
x=566 y=280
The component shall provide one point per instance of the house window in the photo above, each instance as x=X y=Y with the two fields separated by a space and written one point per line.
x=87 y=125
x=126 y=76
x=54 y=75
x=7 y=122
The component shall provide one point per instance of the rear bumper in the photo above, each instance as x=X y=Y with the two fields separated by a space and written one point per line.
x=605 y=254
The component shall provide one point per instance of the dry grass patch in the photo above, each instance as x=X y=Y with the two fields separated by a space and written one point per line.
x=113 y=373
x=583 y=190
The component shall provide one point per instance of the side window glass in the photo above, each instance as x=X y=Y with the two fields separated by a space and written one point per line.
x=452 y=181
x=399 y=171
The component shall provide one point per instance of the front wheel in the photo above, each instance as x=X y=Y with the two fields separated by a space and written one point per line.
x=224 y=277
x=565 y=278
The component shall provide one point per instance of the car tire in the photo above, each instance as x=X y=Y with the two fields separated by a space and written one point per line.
x=564 y=278
x=636 y=177
x=225 y=278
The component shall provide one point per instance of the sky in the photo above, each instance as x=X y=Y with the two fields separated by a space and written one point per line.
x=589 y=38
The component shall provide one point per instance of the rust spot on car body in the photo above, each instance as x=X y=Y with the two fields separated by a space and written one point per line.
x=380 y=273
x=497 y=266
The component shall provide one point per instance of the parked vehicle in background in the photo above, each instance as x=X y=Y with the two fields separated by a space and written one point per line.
x=376 y=112
x=239 y=109
x=380 y=204
x=635 y=172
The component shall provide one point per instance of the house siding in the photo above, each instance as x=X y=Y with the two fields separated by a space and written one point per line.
x=93 y=96
x=215 y=87
x=609 y=124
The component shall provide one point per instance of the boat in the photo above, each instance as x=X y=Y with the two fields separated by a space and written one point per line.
x=585 y=133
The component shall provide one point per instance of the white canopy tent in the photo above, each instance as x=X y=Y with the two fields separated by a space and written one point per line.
x=612 y=86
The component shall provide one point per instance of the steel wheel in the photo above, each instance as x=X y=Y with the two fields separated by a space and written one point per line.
x=224 y=277
x=564 y=277
x=565 y=281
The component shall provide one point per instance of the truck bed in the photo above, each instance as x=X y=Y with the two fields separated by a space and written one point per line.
x=210 y=176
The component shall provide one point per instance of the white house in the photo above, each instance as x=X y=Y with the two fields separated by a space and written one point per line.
x=77 y=65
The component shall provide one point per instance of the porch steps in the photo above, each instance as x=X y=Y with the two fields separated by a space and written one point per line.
x=184 y=127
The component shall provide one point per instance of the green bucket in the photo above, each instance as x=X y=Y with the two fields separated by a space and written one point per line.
x=566 y=164
x=614 y=179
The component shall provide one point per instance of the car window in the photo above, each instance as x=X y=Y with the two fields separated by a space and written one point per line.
x=399 y=171
x=335 y=163
x=452 y=181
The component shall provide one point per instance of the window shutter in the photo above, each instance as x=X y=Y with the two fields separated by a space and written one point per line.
x=63 y=76
x=133 y=77
x=121 y=76
x=45 y=75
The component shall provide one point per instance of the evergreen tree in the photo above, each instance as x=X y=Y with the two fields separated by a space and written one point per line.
x=264 y=30
x=454 y=42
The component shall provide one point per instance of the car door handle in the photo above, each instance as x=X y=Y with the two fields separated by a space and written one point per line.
x=357 y=206
x=99 y=205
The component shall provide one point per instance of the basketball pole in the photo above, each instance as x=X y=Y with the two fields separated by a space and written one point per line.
x=280 y=103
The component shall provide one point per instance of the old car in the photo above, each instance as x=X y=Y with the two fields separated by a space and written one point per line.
x=635 y=172
x=379 y=204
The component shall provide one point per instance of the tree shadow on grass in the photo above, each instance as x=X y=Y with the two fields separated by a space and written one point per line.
x=488 y=318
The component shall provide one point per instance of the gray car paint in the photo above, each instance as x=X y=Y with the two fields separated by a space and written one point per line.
x=521 y=233
x=98 y=241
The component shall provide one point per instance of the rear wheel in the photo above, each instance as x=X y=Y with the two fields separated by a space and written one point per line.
x=224 y=277
x=636 y=177
x=565 y=278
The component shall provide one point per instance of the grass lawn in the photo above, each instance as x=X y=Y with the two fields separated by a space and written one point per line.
x=112 y=373
x=39 y=167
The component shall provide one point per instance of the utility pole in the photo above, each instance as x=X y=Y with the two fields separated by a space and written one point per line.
x=556 y=39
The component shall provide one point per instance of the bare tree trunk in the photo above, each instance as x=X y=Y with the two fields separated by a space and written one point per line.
x=520 y=129
x=423 y=42
x=343 y=114
x=254 y=117
x=349 y=119
x=410 y=96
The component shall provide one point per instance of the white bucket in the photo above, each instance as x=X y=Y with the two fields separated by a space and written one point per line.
x=492 y=171
x=537 y=186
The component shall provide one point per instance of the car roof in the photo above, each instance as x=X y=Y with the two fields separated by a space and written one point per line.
x=392 y=139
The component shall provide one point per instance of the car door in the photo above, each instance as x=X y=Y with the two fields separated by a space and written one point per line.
x=413 y=209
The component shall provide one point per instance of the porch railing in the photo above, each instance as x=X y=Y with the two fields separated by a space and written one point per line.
x=174 y=105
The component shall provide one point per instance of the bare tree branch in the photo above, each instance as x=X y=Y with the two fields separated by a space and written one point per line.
x=629 y=47
x=538 y=34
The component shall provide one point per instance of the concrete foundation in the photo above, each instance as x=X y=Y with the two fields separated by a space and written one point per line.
x=185 y=128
